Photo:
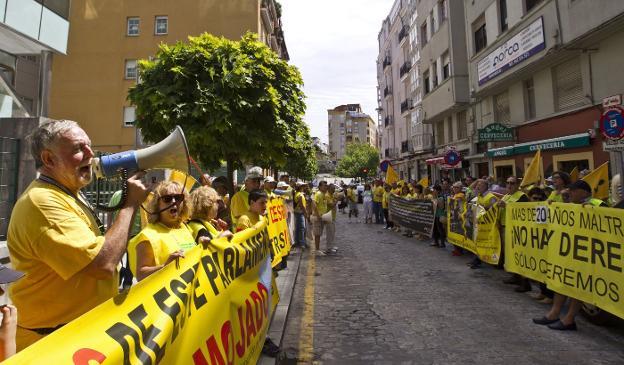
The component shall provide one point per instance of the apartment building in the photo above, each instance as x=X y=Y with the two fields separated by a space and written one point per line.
x=348 y=124
x=397 y=82
x=31 y=33
x=445 y=91
x=539 y=70
x=109 y=37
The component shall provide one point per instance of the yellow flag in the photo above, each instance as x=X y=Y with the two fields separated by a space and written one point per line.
x=599 y=181
x=534 y=174
x=574 y=174
x=424 y=182
x=182 y=178
x=391 y=175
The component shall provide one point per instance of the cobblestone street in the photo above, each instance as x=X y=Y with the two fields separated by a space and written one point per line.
x=390 y=299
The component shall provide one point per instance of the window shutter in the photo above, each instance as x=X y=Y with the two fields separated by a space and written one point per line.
x=501 y=108
x=569 y=85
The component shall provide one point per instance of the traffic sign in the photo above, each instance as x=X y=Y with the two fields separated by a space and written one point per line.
x=452 y=158
x=612 y=123
x=383 y=165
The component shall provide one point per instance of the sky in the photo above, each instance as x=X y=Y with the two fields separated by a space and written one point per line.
x=334 y=45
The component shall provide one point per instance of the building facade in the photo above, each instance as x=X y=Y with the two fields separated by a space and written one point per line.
x=541 y=69
x=347 y=124
x=31 y=34
x=91 y=83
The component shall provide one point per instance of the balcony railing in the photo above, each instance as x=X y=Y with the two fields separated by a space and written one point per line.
x=422 y=142
x=387 y=121
x=403 y=33
x=404 y=146
x=391 y=153
x=405 y=68
x=406 y=105
x=387 y=62
x=387 y=91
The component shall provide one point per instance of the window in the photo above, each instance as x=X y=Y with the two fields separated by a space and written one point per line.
x=529 y=99
x=446 y=66
x=129 y=116
x=462 y=126
x=434 y=22
x=426 y=83
x=441 y=11
x=440 y=133
x=423 y=34
x=434 y=74
x=449 y=123
x=161 y=25
x=568 y=85
x=530 y=4
x=133 y=26
x=502 y=9
x=501 y=108
x=480 y=36
x=131 y=69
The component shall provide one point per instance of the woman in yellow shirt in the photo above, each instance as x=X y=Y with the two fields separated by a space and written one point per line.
x=204 y=221
x=166 y=236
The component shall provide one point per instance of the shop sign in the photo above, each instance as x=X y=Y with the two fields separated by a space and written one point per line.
x=528 y=42
x=611 y=145
x=496 y=132
x=574 y=141
x=611 y=101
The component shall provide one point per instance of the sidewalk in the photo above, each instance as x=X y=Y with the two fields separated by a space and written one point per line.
x=285 y=285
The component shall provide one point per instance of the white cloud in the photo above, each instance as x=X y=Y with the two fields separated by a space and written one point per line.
x=334 y=45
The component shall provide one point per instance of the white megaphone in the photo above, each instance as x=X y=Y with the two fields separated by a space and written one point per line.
x=170 y=153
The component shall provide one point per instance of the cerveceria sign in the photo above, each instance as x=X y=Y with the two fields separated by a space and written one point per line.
x=572 y=141
x=495 y=132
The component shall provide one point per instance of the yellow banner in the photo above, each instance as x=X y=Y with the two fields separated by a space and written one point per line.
x=577 y=251
x=278 y=229
x=211 y=307
x=475 y=229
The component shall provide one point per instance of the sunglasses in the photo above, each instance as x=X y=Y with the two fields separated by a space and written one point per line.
x=170 y=198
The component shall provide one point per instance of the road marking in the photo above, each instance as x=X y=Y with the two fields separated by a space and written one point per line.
x=306 y=332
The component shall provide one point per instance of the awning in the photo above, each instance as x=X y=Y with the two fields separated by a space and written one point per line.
x=435 y=160
x=571 y=141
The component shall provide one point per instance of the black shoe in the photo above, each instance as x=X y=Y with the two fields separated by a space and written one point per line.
x=435 y=244
x=512 y=280
x=442 y=245
x=559 y=326
x=523 y=288
x=270 y=348
x=544 y=321
x=475 y=265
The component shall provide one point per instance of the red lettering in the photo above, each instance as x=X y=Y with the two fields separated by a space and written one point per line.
x=264 y=293
x=251 y=328
x=227 y=338
x=259 y=307
x=240 y=345
x=216 y=358
x=85 y=356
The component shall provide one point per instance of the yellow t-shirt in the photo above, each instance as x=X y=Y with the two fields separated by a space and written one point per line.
x=321 y=202
x=247 y=220
x=331 y=203
x=197 y=225
x=51 y=238
x=555 y=196
x=239 y=204
x=385 y=200
x=378 y=194
x=164 y=242
x=486 y=201
x=300 y=202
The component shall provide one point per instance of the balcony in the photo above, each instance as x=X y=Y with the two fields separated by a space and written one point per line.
x=387 y=92
x=406 y=105
x=405 y=147
x=391 y=153
x=387 y=121
x=422 y=142
x=387 y=62
x=403 y=33
x=405 y=68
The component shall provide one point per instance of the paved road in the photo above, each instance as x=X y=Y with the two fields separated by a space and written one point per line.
x=389 y=299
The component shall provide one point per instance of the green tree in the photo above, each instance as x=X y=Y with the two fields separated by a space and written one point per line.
x=236 y=101
x=301 y=162
x=360 y=160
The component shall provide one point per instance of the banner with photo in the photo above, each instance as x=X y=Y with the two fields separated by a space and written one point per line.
x=212 y=306
x=575 y=250
x=475 y=229
x=417 y=215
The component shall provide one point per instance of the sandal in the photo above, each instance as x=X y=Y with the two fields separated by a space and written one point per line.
x=270 y=348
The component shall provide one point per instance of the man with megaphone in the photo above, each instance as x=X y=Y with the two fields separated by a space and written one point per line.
x=57 y=240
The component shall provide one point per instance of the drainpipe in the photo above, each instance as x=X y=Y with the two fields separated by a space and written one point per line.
x=45 y=77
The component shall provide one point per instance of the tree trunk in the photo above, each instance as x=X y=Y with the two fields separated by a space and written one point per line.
x=230 y=175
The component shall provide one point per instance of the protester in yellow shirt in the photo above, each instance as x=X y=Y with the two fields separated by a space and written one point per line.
x=204 y=222
x=239 y=204
x=385 y=201
x=55 y=238
x=301 y=214
x=378 y=192
x=220 y=184
x=166 y=237
x=257 y=208
x=330 y=233
x=560 y=180
x=319 y=207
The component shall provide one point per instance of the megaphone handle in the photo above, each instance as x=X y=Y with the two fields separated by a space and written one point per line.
x=124 y=194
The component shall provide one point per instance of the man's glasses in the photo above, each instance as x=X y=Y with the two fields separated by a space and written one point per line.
x=170 y=198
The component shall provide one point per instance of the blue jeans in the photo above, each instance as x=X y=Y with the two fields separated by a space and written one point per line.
x=300 y=229
x=378 y=212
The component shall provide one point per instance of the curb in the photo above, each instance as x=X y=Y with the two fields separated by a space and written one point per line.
x=285 y=286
